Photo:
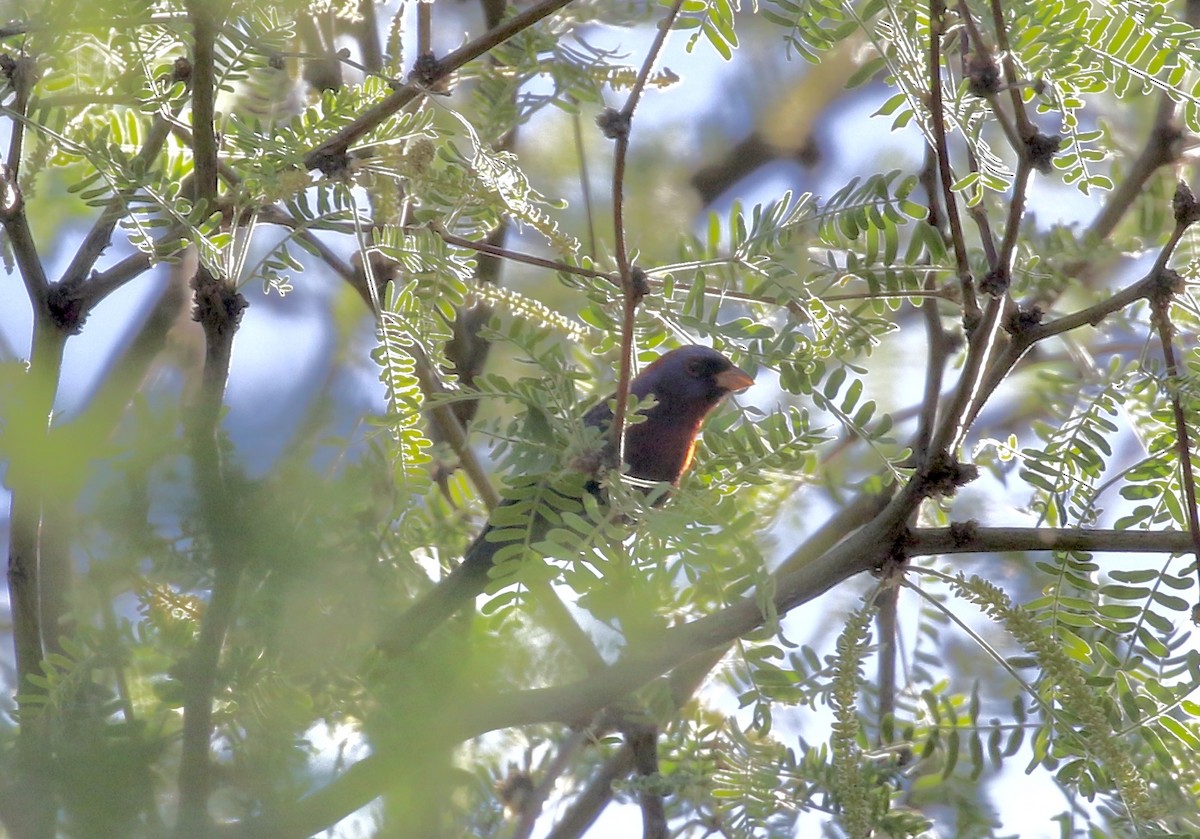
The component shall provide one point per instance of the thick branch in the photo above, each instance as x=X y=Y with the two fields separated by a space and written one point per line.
x=971 y=538
x=588 y=805
x=29 y=495
x=809 y=571
x=218 y=309
x=805 y=578
x=643 y=742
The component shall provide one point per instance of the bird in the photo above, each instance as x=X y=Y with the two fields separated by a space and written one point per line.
x=686 y=384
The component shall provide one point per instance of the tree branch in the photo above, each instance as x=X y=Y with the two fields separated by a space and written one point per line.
x=1025 y=128
x=20 y=72
x=633 y=287
x=27 y=508
x=689 y=650
x=100 y=236
x=939 y=344
x=467 y=350
x=218 y=309
x=937 y=14
x=373 y=116
x=970 y=537
x=1187 y=212
x=588 y=805
x=1026 y=337
x=643 y=743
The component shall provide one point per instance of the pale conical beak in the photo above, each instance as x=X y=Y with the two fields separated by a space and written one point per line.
x=734 y=380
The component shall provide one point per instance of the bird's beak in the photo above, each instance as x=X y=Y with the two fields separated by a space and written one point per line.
x=734 y=380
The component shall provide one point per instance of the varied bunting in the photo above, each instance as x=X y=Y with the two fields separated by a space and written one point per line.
x=686 y=383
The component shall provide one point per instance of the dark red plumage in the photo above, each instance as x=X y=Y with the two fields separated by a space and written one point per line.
x=686 y=383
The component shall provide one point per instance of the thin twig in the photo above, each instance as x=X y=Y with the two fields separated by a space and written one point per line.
x=516 y=256
x=975 y=43
x=632 y=288
x=937 y=12
x=585 y=182
x=100 y=236
x=22 y=77
x=1160 y=319
x=1162 y=147
x=979 y=215
x=1024 y=127
x=1012 y=227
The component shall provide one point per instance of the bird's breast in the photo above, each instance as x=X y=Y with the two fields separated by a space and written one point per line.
x=660 y=451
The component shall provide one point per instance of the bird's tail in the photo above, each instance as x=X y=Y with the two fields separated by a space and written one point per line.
x=465 y=582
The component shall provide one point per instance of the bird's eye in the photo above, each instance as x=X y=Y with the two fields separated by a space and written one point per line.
x=700 y=368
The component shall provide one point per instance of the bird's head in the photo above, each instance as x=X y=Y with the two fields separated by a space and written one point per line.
x=686 y=384
x=690 y=381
